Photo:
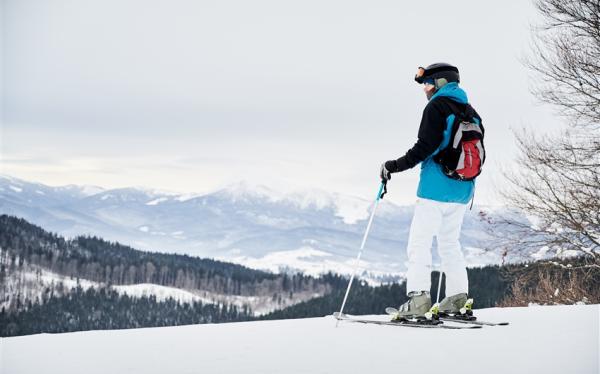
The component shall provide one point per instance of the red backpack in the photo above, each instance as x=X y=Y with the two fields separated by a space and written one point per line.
x=464 y=155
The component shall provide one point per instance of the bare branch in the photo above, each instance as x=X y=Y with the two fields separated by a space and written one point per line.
x=566 y=59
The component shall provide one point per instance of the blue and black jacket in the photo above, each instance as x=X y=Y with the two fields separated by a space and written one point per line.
x=434 y=135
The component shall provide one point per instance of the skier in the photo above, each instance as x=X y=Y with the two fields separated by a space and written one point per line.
x=443 y=192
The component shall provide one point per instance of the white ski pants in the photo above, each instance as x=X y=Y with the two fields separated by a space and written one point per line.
x=442 y=220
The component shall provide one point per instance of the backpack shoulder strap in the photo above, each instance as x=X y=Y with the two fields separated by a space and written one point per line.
x=469 y=111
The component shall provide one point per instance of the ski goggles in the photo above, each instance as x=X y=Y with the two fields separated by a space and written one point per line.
x=420 y=76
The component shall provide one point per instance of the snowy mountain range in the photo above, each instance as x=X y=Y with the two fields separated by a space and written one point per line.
x=310 y=231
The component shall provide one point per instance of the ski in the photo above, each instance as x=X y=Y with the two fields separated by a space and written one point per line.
x=434 y=325
x=470 y=320
x=465 y=318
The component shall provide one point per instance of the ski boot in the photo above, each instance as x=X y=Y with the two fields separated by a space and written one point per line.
x=457 y=307
x=416 y=309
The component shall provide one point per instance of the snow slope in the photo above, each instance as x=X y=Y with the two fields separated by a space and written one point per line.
x=541 y=339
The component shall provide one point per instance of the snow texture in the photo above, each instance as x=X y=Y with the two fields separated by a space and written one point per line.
x=541 y=339
x=161 y=293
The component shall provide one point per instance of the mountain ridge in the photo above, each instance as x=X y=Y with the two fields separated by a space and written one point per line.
x=241 y=223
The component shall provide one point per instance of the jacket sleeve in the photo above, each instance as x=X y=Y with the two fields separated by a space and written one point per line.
x=431 y=134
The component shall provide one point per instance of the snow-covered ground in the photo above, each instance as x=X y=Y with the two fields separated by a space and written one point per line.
x=540 y=339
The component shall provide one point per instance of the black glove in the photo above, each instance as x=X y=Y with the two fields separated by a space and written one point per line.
x=384 y=173
x=387 y=168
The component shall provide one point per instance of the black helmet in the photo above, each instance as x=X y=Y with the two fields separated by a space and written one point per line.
x=438 y=74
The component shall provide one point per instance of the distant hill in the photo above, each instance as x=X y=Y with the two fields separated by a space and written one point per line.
x=309 y=231
x=37 y=267
x=52 y=284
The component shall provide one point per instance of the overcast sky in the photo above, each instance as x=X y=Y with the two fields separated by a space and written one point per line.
x=191 y=95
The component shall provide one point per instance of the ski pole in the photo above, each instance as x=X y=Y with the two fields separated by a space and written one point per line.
x=382 y=191
x=437 y=299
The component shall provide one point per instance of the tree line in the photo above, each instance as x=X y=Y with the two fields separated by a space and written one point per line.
x=105 y=308
x=61 y=309
x=97 y=260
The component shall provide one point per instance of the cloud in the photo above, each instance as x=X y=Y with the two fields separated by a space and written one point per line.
x=187 y=95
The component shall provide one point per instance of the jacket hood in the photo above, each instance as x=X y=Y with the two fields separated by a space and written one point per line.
x=453 y=91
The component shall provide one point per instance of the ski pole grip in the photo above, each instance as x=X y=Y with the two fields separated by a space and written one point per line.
x=382 y=190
